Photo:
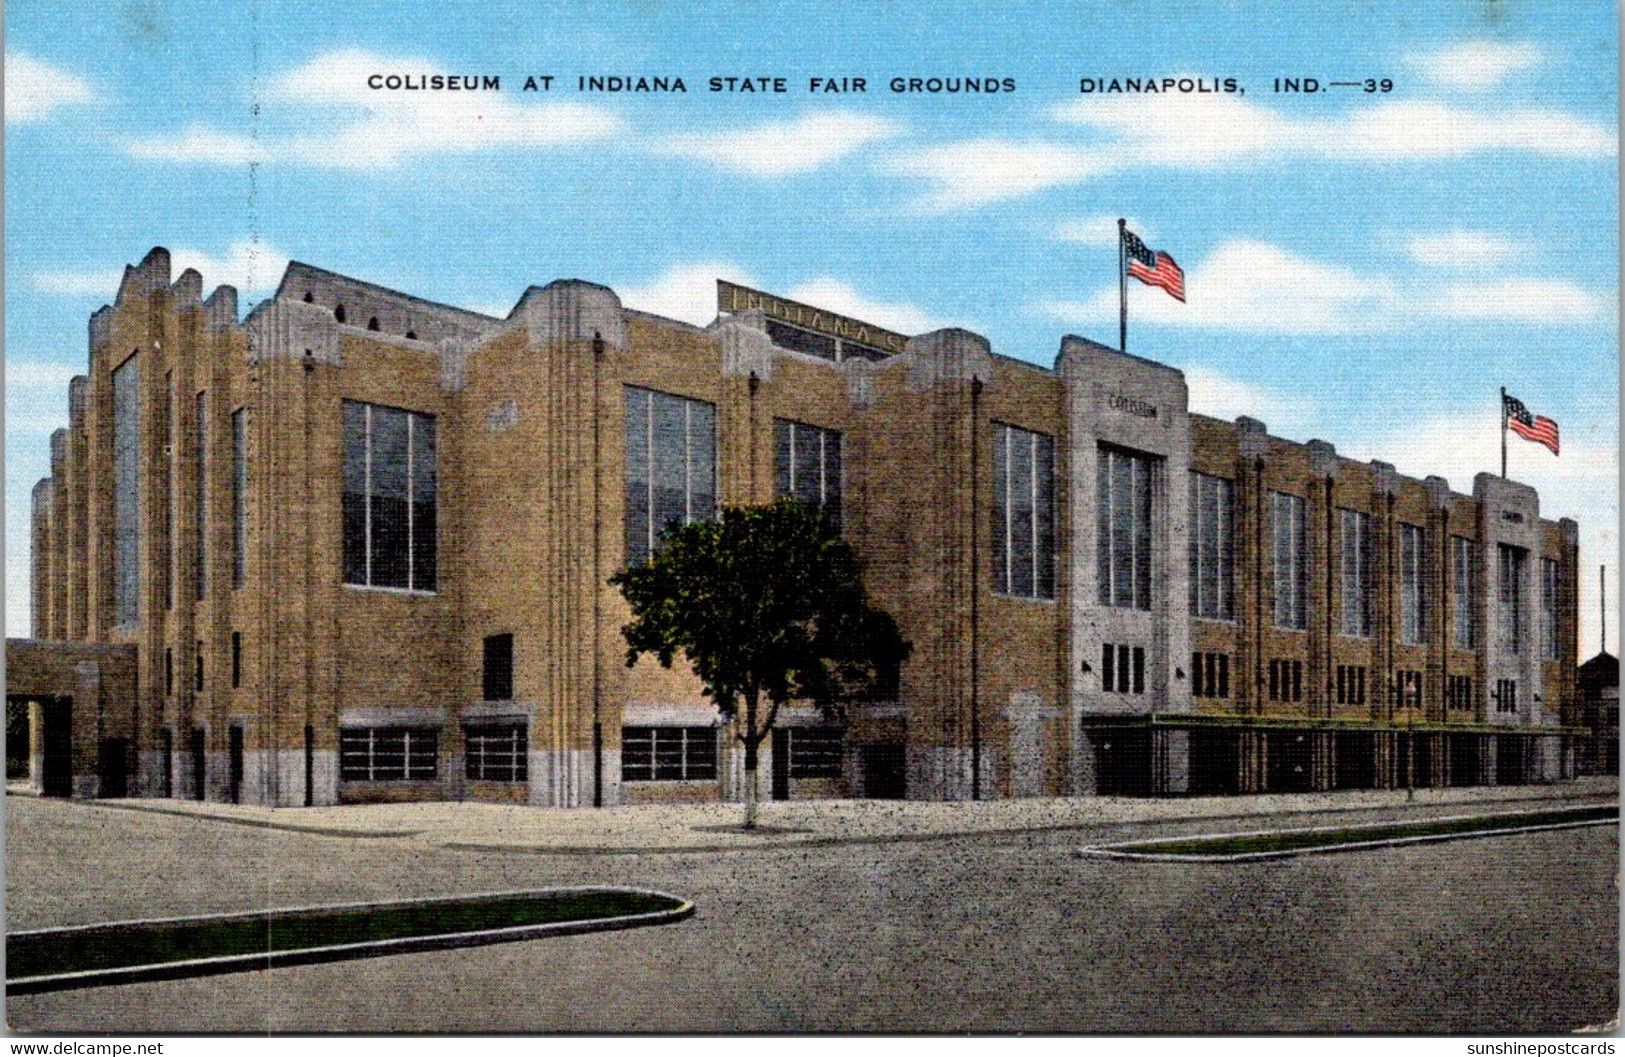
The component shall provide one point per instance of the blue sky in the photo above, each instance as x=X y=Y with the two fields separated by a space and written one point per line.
x=1364 y=268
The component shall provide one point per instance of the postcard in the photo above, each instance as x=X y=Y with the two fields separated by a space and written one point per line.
x=781 y=517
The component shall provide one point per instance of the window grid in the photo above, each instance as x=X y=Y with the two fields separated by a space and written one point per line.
x=1506 y=695
x=383 y=754
x=1511 y=562
x=808 y=465
x=1548 y=610
x=1408 y=688
x=1458 y=692
x=200 y=566
x=127 y=491
x=498 y=752
x=1210 y=675
x=668 y=754
x=1413 y=596
x=397 y=550
x=1123 y=539
x=1023 y=535
x=1286 y=680
x=1464 y=575
x=1356 y=572
x=815 y=752
x=1212 y=547
x=1291 y=568
x=239 y=497
x=1350 y=684
x=1122 y=668
x=649 y=509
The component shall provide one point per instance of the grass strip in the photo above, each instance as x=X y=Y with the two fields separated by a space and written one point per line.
x=156 y=943
x=1298 y=841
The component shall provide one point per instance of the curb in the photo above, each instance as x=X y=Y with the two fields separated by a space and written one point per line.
x=1003 y=831
x=251 y=823
x=337 y=952
x=1111 y=851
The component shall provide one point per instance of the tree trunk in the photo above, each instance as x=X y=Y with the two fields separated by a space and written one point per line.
x=753 y=743
x=751 y=746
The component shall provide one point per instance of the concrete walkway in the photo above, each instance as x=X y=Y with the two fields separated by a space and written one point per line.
x=676 y=828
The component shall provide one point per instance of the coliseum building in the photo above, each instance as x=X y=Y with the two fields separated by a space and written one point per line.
x=355 y=548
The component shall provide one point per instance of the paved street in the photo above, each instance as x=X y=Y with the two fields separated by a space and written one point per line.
x=912 y=927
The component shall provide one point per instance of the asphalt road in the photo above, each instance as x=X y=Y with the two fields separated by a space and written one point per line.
x=993 y=933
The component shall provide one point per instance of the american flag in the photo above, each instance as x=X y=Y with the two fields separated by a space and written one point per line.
x=1153 y=267
x=1537 y=428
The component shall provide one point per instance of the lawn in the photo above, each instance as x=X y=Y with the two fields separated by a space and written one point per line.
x=1305 y=840
x=164 y=942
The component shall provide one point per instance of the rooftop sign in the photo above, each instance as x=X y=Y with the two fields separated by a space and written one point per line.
x=732 y=298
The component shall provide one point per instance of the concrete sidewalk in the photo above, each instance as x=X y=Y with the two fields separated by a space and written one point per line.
x=675 y=828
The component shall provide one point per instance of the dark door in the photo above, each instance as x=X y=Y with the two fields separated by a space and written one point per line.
x=199 y=764
x=111 y=767
x=310 y=766
x=884 y=774
x=56 y=733
x=166 y=745
x=236 y=765
x=781 y=764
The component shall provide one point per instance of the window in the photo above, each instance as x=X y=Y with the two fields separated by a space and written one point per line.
x=1123 y=542
x=1287 y=519
x=236 y=658
x=1511 y=561
x=1023 y=513
x=1356 y=569
x=239 y=497
x=671 y=458
x=169 y=671
x=383 y=754
x=1458 y=692
x=1122 y=669
x=1408 y=688
x=808 y=461
x=1412 y=596
x=197 y=677
x=1506 y=695
x=498 y=671
x=200 y=465
x=497 y=752
x=1350 y=689
x=1464 y=573
x=668 y=754
x=127 y=491
x=1286 y=680
x=815 y=752
x=390 y=517
x=1210 y=675
x=1212 y=533
x=1548 y=610
x=166 y=430
x=338 y=313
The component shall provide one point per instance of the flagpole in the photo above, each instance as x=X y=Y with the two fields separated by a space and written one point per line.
x=1503 y=433
x=1122 y=285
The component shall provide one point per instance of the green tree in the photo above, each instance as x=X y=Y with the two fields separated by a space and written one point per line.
x=768 y=606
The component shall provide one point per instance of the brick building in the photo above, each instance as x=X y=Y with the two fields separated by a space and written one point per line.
x=356 y=548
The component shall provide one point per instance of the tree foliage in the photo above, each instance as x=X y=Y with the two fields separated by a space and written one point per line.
x=767 y=605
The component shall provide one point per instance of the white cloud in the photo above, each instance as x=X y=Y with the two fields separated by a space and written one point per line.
x=1475 y=64
x=686 y=292
x=1254 y=287
x=378 y=128
x=1204 y=132
x=782 y=148
x=254 y=269
x=33 y=374
x=36 y=89
x=980 y=171
x=1099 y=231
x=1523 y=300
x=841 y=297
x=1219 y=395
x=1461 y=249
